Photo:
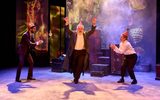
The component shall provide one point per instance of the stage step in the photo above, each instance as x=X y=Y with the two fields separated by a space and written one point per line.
x=100 y=69
x=105 y=51
x=100 y=54
x=103 y=60
x=57 y=65
x=97 y=73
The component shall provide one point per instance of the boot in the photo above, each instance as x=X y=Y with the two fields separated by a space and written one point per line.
x=121 y=80
x=134 y=81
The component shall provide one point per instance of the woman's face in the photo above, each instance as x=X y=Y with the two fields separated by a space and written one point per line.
x=122 y=38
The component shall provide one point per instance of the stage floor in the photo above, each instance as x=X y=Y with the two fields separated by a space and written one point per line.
x=59 y=86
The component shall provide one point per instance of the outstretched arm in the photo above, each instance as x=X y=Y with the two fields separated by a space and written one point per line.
x=31 y=42
x=121 y=49
x=67 y=26
x=93 y=27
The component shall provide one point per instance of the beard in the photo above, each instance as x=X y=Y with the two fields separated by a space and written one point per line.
x=80 y=32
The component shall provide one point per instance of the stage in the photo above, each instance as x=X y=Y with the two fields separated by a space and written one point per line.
x=59 y=86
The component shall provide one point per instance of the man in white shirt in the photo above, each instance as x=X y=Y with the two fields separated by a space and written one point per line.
x=130 y=57
x=78 y=48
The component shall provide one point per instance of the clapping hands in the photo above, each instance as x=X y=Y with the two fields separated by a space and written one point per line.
x=39 y=42
x=113 y=46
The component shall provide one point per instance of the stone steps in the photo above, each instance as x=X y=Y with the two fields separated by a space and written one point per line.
x=103 y=60
x=57 y=65
x=100 y=69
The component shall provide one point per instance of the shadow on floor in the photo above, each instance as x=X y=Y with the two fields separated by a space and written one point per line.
x=87 y=88
x=130 y=88
x=18 y=86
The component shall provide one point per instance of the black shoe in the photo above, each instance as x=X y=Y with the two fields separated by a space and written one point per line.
x=75 y=81
x=64 y=70
x=18 y=80
x=134 y=81
x=121 y=81
x=31 y=79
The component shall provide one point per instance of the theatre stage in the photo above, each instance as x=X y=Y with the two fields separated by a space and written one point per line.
x=59 y=86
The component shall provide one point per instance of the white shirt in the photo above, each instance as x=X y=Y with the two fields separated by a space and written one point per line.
x=80 y=42
x=125 y=48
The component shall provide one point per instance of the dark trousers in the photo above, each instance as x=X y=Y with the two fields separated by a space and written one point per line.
x=29 y=58
x=77 y=63
x=129 y=63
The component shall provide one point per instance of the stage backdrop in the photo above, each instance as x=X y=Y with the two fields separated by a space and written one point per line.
x=35 y=11
x=56 y=34
x=113 y=17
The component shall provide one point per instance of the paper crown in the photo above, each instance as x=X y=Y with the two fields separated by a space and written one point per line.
x=80 y=25
x=125 y=33
x=31 y=25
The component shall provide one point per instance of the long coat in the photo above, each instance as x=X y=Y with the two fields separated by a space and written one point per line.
x=72 y=42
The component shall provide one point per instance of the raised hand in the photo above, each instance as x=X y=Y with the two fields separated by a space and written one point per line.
x=66 y=20
x=94 y=20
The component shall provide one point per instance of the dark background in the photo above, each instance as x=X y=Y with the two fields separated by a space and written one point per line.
x=8 y=33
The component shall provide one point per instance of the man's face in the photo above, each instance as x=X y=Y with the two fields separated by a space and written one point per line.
x=33 y=29
x=80 y=29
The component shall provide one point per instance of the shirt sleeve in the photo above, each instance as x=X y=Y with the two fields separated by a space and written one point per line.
x=68 y=30
x=122 y=48
x=91 y=31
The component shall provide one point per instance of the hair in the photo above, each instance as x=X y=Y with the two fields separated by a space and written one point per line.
x=125 y=36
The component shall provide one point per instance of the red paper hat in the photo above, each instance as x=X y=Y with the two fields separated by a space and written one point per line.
x=125 y=33
x=31 y=25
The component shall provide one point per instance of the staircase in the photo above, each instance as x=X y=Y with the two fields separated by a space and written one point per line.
x=102 y=66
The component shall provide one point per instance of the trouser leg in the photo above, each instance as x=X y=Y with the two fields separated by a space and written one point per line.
x=131 y=64
x=20 y=65
x=30 y=70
